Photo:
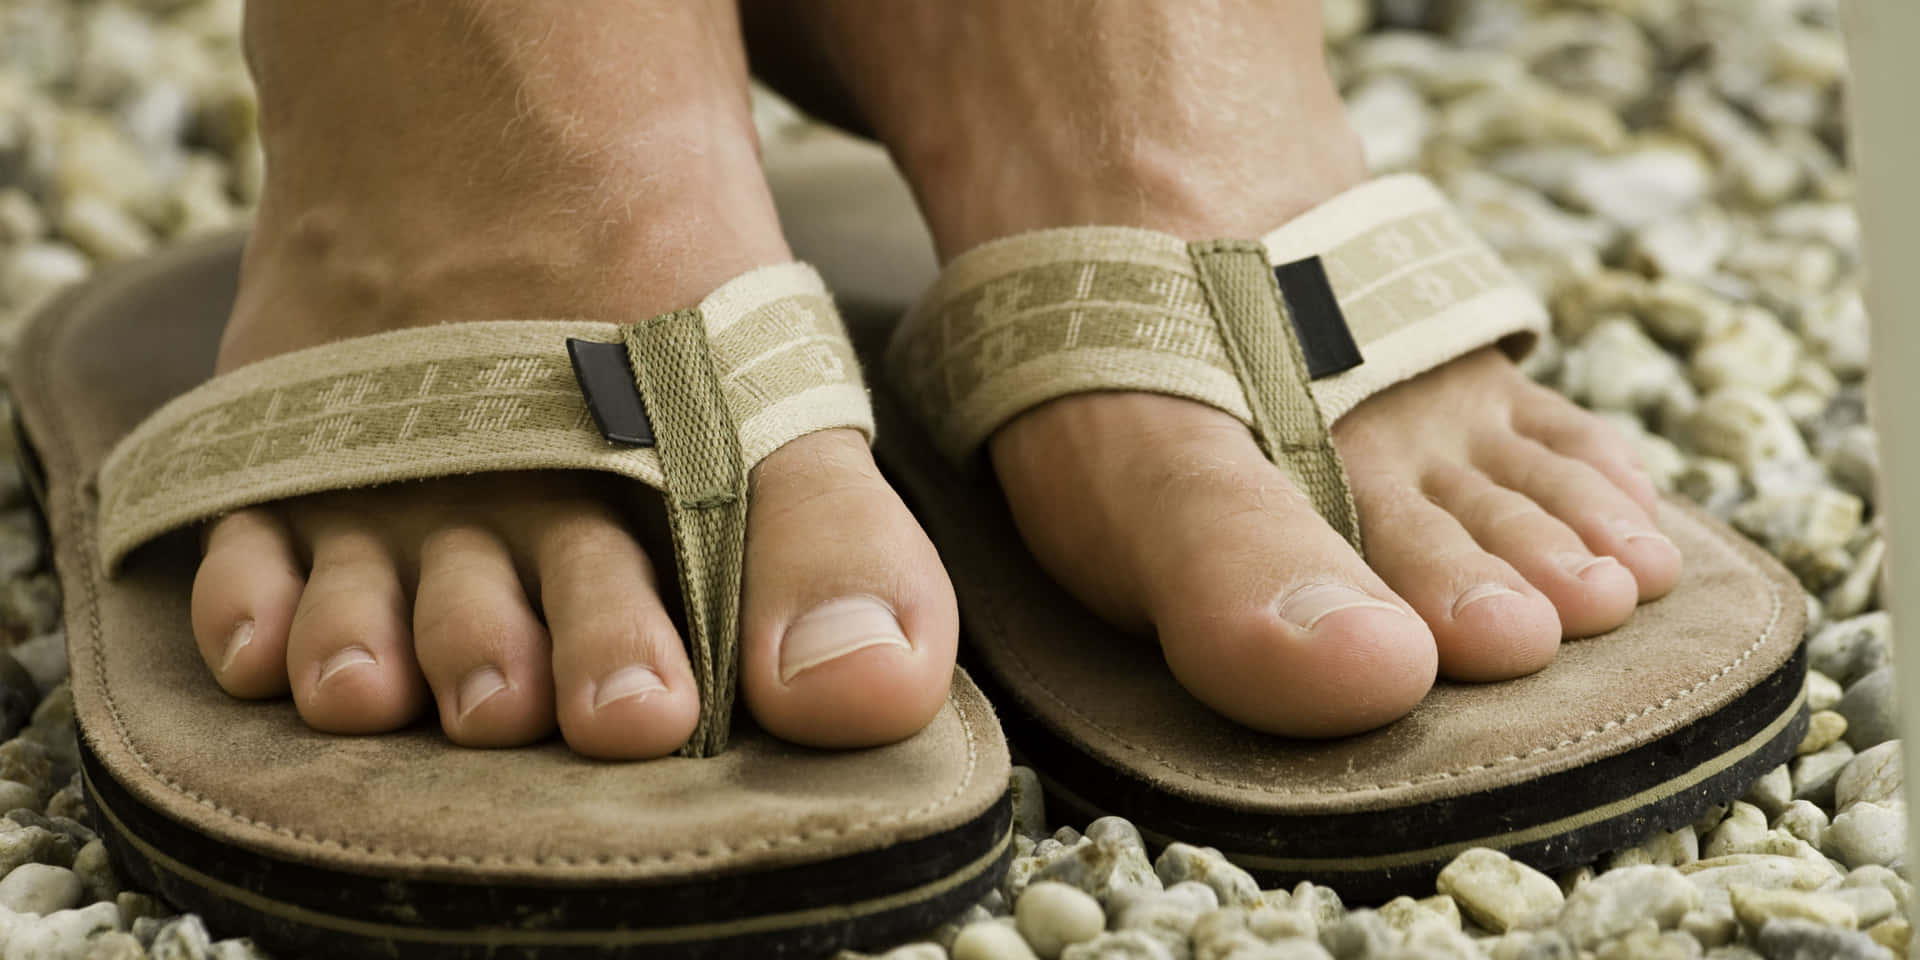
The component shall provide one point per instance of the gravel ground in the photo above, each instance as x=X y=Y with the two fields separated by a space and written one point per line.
x=1668 y=173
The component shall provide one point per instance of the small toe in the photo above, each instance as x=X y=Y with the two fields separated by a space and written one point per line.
x=350 y=657
x=1606 y=518
x=1488 y=621
x=623 y=689
x=482 y=648
x=1593 y=594
x=244 y=596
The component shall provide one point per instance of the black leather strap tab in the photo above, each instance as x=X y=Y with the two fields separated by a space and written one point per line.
x=606 y=380
x=1325 y=340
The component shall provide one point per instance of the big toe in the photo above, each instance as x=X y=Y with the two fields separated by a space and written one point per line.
x=848 y=621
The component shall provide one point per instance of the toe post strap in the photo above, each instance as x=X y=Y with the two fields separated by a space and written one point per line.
x=759 y=362
x=1286 y=334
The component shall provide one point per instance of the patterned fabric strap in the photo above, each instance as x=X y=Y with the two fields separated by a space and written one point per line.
x=1020 y=321
x=762 y=360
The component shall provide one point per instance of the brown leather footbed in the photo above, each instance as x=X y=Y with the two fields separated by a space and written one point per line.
x=365 y=845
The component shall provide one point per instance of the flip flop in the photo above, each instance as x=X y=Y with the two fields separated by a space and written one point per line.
x=404 y=844
x=1642 y=729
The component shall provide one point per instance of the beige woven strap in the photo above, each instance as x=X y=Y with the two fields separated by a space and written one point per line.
x=1020 y=321
x=762 y=360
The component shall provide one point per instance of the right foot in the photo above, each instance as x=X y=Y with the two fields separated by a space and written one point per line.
x=521 y=176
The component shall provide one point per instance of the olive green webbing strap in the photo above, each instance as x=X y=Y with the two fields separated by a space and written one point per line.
x=1265 y=352
x=706 y=497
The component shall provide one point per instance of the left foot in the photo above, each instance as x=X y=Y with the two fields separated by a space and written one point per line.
x=1498 y=517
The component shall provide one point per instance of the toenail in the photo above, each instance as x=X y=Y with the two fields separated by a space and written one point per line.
x=627 y=683
x=345 y=659
x=1655 y=537
x=237 y=641
x=836 y=628
x=1312 y=603
x=479 y=687
x=1580 y=564
x=1485 y=591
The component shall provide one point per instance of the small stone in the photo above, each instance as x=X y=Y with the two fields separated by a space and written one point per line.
x=15 y=795
x=1054 y=915
x=1824 y=728
x=1869 y=706
x=1359 y=934
x=1765 y=870
x=1805 y=522
x=45 y=658
x=1712 y=928
x=1671 y=848
x=1321 y=903
x=1789 y=939
x=1823 y=692
x=1755 y=907
x=95 y=872
x=1392 y=120
x=1870 y=904
x=1894 y=933
x=1029 y=803
x=1118 y=945
x=1885 y=879
x=1846 y=650
x=1498 y=892
x=31 y=274
x=1869 y=833
x=1745 y=426
x=103 y=230
x=1274 y=923
x=1805 y=820
x=21 y=221
x=115 y=945
x=1771 y=793
x=1530 y=945
x=1636 y=188
x=1738 y=833
x=1106 y=866
x=1647 y=942
x=1854 y=593
x=1181 y=862
x=134 y=906
x=182 y=938
x=1714 y=484
x=20 y=845
x=39 y=888
x=990 y=941
x=1873 y=775
x=1616 y=901
x=1814 y=774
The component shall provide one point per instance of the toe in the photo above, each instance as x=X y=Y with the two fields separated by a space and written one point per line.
x=1593 y=594
x=483 y=650
x=1488 y=621
x=622 y=686
x=244 y=596
x=849 y=624
x=1267 y=615
x=1607 y=519
x=349 y=653
x=1572 y=432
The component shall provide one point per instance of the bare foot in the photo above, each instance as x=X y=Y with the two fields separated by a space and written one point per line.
x=470 y=161
x=1498 y=517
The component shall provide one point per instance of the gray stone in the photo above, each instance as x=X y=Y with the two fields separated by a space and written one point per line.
x=1359 y=934
x=1768 y=796
x=1181 y=862
x=1053 y=916
x=1870 y=904
x=1531 y=945
x=1497 y=892
x=1029 y=803
x=1120 y=945
x=15 y=795
x=991 y=940
x=1873 y=776
x=1869 y=706
x=40 y=889
x=115 y=945
x=96 y=872
x=1850 y=649
x=1804 y=940
x=1823 y=692
x=1806 y=820
x=1755 y=907
x=1814 y=774
x=182 y=938
x=1868 y=833
x=45 y=658
x=1616 y=901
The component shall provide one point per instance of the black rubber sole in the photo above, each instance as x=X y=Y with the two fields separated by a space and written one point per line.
x=1555 y=822
x=296 y=910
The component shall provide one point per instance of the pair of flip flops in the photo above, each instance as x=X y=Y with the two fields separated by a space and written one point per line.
x=744 y=846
